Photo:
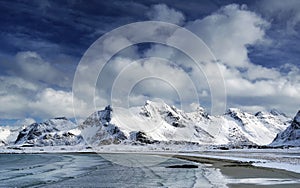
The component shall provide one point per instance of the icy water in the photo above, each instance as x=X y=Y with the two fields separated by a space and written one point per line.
x=92 y=170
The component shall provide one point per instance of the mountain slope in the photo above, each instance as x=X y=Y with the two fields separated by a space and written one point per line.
x=291 y=135
x=157 y=121
x=260 y=128
x=97 y=129
x=5 y=132
x=161 y=122
x=8 y=135
x=53 y=132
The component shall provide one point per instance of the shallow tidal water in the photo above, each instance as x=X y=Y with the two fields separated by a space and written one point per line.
x=116 y=170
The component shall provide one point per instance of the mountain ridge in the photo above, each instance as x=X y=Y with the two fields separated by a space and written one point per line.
x=157 y=122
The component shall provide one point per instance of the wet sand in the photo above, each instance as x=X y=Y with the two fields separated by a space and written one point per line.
x=237 y=172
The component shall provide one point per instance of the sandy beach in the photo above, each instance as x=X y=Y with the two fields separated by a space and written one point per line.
x=243 y=174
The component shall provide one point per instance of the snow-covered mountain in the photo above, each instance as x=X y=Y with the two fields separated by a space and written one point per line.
x=291 y=135
x=53 y=132
x=8 y=135
x=4 y=134
x=98 y=130
x=157 y=121
x=260 y=128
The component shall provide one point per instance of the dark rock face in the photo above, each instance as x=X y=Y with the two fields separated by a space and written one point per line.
x=296 y=121
x=108 y=112
x=141 y=137
x=2 y=142
x=235 y=115
x=33 y=131
x=21 y=136
x=290 y=136
x=174 y=120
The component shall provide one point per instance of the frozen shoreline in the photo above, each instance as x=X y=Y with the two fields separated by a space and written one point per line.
x=252 y=161
x=284 y=159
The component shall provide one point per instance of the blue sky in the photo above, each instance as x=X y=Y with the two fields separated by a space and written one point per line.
x=43 y=41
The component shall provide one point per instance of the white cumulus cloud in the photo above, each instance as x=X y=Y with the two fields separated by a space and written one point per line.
x=162 y=12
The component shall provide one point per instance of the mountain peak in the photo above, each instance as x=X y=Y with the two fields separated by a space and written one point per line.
x=276 y=112
x=297 y=117
x=108 y=108
x=148 y=102
x=159 y=106
x=103 y=116
x=259 y=113
x=234 y=112
x=157 y=103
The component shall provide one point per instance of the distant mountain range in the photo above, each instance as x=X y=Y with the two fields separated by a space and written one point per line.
x=56 y=131
x=157 y=122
